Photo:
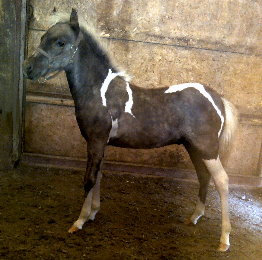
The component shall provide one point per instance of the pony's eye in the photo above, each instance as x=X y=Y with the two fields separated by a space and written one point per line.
x=60 y=43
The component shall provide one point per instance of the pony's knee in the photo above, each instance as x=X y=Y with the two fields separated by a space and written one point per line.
x=221 y=179
x=221 y=183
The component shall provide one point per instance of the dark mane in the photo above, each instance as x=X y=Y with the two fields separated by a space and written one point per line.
x=96 y=47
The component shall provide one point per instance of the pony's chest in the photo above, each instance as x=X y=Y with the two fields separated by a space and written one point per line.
x=92 y=116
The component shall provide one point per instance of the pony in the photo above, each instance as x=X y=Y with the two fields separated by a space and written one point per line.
x=110 y=110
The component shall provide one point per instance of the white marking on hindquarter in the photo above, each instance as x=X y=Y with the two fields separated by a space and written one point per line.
x=130 y=102
x=110 y=76
x=217 y=171
x=202 y=90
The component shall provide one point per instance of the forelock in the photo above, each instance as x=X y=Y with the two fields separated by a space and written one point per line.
x=57 y=17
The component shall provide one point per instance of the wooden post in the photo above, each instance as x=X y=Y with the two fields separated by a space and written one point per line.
x=12 y=32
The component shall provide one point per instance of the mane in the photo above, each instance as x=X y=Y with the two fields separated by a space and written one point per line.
x=96 y=40
x=97 y=47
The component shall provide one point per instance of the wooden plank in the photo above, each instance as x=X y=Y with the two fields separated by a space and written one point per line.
x=49 y=100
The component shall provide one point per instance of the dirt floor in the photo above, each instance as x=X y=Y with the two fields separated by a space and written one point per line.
x=140 y=218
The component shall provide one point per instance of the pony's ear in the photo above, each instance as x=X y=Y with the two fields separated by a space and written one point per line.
x=74 y=20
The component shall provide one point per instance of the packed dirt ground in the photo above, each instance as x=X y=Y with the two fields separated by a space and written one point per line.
x=140 y=218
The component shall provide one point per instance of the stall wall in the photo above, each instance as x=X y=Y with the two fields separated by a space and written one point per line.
x=159 y=43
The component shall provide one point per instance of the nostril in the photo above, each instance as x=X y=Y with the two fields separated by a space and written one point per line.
x=29 y=68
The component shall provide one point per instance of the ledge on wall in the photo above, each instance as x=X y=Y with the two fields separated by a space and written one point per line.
x=47 y=161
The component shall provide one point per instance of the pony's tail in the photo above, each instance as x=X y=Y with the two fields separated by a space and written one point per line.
x=230 y=126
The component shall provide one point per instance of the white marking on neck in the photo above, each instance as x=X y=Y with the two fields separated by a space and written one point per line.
x=110 y=76
x=114 y=128
x=130 y=102
x=202 y=90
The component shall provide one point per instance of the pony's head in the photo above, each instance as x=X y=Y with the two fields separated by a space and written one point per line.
x=56 y=51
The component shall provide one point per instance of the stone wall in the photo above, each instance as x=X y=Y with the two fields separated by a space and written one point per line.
x=160 y=43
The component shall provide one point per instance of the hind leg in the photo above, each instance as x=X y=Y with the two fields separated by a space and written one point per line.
x=204 y=179
x=220 y=177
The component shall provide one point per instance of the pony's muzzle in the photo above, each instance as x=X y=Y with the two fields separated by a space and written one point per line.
x=27 y=70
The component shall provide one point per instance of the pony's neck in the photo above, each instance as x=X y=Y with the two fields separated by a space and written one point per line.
x=89 y=69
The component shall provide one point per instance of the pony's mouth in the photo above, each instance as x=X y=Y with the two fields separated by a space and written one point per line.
x=40 y=76
x=30 y=73
x=31 y=76
x=48 y=75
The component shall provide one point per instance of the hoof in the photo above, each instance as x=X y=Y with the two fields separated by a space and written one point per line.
x=223 y=247
x=73 y=229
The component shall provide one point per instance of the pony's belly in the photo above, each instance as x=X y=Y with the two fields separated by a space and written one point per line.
x=137 y=145
x=143 y=141
x=134 y=133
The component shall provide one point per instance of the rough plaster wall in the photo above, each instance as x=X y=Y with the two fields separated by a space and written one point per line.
x=221 y=24
x=163 y=42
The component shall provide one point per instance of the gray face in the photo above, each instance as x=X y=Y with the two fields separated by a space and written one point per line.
x=57 y=42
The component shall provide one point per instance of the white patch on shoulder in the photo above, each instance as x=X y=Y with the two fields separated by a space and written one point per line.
x=110 y=76
x=202 y=90
x=130 y=102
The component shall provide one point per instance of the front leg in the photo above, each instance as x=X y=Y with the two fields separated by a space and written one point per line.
x=92 y=187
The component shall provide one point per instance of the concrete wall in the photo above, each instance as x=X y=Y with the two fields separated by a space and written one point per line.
x=160 y=43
